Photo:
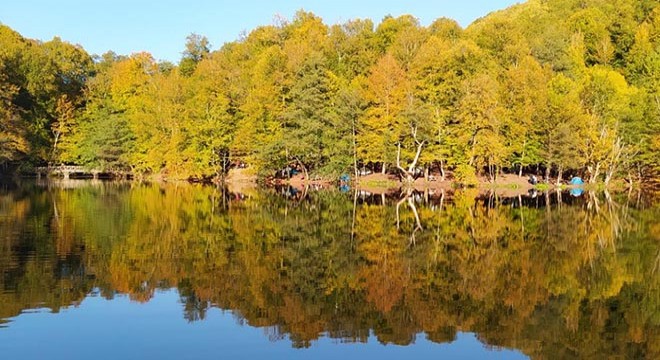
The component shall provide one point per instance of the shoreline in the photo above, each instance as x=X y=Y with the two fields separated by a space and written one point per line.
x=507 y=185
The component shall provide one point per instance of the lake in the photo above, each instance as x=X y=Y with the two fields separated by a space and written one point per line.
x=109 y=270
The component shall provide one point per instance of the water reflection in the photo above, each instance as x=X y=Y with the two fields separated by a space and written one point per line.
x=552 y=274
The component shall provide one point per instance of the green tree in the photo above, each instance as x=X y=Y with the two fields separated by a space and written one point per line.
x=197 y=48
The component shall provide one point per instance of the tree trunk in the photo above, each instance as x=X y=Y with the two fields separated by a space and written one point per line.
x=355 y=165
x=522 y=157
x=559 y=175
x=411 y=204
x=559 y=200
x=617 y=152
x=224 y=165
x=355 y=193
x=547 y=174
x=398 y=217
x=304 y=168
x=608 y=176
x=442 y=171
x=594 y=173
x=54 y=153
x=522 y=217
x=414 y=163
x=408 y=173
x=384 y=168
x=630 y=180
x=407 y=176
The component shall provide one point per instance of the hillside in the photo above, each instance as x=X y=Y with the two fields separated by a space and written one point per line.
x=557 y=88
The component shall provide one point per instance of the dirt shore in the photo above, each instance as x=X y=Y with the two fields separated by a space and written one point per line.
x=506 y=185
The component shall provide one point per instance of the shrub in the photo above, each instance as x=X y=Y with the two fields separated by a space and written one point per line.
x=466 y=176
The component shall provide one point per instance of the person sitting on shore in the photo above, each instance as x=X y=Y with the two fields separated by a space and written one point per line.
x=533 y=180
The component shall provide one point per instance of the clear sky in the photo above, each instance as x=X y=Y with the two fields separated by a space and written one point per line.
x=161 y=26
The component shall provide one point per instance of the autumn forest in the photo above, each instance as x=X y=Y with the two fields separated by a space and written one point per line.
x=555 y=87
x=135 y=269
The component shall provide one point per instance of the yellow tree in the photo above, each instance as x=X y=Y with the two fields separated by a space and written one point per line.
x=607 y=98
x=438 y=73
x=167 y=136
x=12 y=132
x=259 y=131
x=63 y=125
x=131 y=82
x=208 y=126
x=385 y=90
x=354 y=48
x=481 y=124
x=561 y=131
x=524 y=94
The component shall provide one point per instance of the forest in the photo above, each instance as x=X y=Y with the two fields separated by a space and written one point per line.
x=553 y=87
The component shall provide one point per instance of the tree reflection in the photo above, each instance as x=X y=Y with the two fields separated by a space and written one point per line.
x=553 y=276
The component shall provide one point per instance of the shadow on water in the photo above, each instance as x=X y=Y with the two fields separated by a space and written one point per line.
x=552 y=274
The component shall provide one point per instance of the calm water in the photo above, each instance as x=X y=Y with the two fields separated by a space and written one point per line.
x=127 y=271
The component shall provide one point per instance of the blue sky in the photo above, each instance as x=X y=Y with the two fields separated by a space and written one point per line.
x=161 y=26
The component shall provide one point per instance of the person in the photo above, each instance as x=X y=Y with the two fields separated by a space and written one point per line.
x=533 y=180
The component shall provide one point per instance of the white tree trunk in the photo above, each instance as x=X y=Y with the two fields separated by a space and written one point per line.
x=442 y=171
x=409 y=174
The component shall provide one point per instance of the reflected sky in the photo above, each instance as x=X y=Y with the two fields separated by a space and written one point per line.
x=122 y=329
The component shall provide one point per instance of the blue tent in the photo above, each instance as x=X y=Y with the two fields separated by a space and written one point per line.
x=577 y=181
x=576 y=192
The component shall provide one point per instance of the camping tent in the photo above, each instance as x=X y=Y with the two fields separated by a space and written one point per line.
x=577 y=181
x=576 y=192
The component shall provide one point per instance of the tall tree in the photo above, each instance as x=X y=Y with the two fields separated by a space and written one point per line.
x=562 y=131
x=309 y=117
x=385 y=89
x=13 y=144
x=480 y=125
x=197 y=48
x=524 y=93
